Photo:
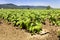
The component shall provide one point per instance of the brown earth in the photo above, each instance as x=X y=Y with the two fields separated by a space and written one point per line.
x=9 y=32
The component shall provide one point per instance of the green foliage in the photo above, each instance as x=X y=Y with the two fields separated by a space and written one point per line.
x=31 y=20
x=48 y=7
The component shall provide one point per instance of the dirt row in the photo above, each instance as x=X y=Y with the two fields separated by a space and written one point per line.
x=9 y=32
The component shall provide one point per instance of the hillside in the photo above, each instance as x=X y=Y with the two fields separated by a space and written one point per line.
x=22 y=6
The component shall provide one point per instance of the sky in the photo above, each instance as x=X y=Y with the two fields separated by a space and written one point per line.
x=52 y=3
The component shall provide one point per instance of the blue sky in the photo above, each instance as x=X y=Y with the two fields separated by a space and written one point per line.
x=52 y=3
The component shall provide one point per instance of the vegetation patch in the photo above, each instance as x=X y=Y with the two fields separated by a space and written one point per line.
x=31 y=20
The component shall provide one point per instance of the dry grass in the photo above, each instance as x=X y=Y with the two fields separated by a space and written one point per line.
x=9 y=32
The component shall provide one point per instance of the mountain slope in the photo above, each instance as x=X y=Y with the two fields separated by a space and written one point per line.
x=15 y=6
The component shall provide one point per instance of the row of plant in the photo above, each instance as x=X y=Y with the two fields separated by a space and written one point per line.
x=31 y=20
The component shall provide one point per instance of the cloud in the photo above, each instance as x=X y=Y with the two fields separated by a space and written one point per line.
x=52 y=3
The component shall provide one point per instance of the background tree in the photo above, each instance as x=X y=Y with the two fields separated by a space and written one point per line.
x=48 y=7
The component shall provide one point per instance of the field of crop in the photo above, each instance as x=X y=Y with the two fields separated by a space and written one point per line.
x=31 y=20
x=34 y=21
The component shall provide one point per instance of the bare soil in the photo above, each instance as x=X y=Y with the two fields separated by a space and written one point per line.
x=9 y=32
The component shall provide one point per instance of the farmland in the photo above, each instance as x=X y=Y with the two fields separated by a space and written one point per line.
x=31 y=20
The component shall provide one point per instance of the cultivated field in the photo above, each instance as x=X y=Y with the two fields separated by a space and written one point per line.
x=29 y=24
